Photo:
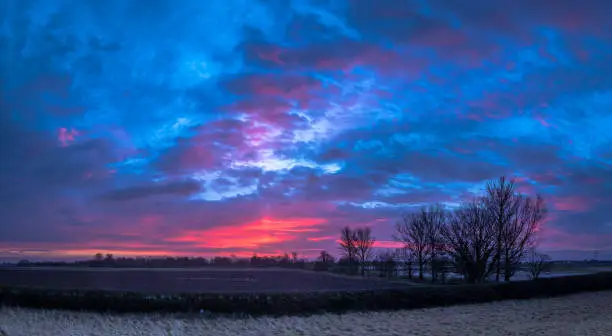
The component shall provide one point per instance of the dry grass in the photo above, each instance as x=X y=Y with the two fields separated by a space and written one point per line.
x=581 y=314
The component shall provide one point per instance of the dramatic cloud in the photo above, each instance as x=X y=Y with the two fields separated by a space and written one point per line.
x=130 y=193
x=234 y=126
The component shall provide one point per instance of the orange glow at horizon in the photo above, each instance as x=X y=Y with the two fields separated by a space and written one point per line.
x=121 y=253
x=259 y=237
x=388 y=244
x=252 y=235
x=318 y=239
x=384 y=244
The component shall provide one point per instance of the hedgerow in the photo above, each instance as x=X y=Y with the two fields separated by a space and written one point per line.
x=302 y=302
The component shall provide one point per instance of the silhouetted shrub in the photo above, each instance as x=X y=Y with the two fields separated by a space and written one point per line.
x=302 y=302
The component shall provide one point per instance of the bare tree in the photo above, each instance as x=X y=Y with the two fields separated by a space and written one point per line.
x=469 y=239
x=364 y=244
x=538 y=263
x=440 y=267
x=348 y=247
x=407 y=258
x=285 y=258
x=412 y=232
x=385 y=263
x=325 y=258
x=323 y=261
x=294 y=257
x=501 y=203
x=520 y=233
x=434 y=220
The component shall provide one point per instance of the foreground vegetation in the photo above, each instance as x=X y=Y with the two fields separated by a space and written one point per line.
x=580 y=315
x=299 y=303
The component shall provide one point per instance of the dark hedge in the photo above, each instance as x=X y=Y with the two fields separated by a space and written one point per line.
x=301 y=303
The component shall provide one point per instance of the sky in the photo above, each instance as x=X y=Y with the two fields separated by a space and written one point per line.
x=238 y=126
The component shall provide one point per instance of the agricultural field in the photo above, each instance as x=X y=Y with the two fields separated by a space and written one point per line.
x=582 y=267
x=172 y=281
x=581 y=315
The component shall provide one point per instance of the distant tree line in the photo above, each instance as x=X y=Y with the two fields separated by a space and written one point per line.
x=289 y=260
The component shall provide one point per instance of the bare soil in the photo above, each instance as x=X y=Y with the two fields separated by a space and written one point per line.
x=172 y=281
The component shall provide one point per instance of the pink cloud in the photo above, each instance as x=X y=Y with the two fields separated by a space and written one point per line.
x=318 y=239
x=256 y=234
x=271 y=54
x=592 y=180
x=556 y=239
x=525 y=188
x=440 y=37
x=572 y=203
x=291 y=86
x=67 y=136
x=208 y=148
x=268 y=110
x=547 y=177
x=542 y=121
x=344 y=57
x=388 y=244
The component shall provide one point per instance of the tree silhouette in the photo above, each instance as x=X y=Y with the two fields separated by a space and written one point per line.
x=407 y=258
x=364 y=244
x=348 y=247
x=294 y=257
x=386 y=264
x=412 y=232
x=538 y=263
x=323 y=261
x=469 y=239
x=434 y=220
x=520 y=233
x=500 y=201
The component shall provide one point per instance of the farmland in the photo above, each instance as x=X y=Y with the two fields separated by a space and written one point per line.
x=256 y=291
x=172 y=281
x=361 y=314
x=580 y=314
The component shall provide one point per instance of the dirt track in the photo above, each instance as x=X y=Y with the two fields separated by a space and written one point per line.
x=170 y=281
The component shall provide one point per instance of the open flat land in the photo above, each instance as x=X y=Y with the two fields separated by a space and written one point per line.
x=581 y=315
x=172 y=281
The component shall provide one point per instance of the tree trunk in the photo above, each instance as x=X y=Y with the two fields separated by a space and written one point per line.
x=362 y=267
x=507 y=268
x=498 y=257
x=421 y=266
x=434 y=273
